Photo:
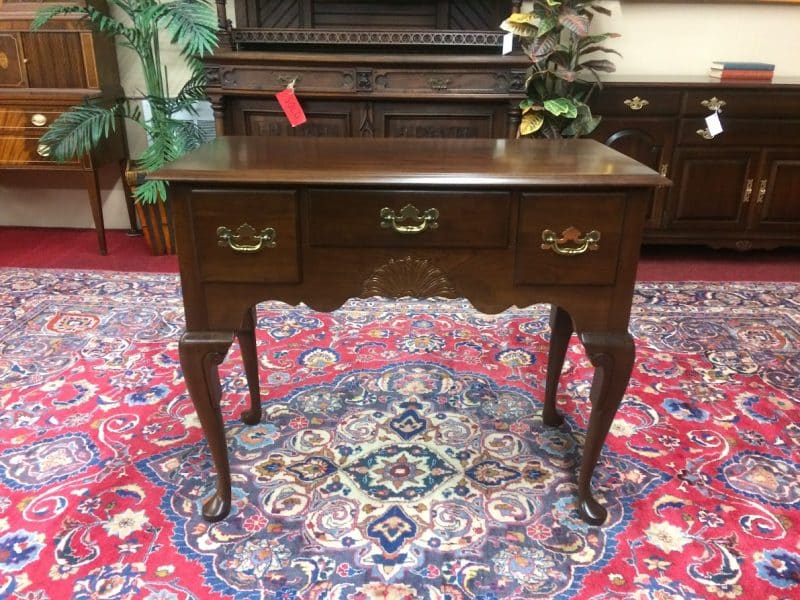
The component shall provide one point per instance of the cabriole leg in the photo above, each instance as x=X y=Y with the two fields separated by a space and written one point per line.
x=247 y=345
x=560 y=332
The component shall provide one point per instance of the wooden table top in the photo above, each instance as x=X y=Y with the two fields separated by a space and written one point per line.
x=404 y=161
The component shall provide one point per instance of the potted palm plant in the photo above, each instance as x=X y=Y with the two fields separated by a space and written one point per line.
x=190 y=26
x=566 y=63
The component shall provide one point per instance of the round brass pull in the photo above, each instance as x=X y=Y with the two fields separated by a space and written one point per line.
x=39 y=120
x=636 y=103
x=580 y=244
x=43 y=150
x=714 y=103
x=246 y=239
x=426 y=220
x=705 y=134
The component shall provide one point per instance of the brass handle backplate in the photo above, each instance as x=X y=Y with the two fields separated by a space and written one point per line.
x=438 y=84
x=43 y=150
x=748 y=191
x=579 y=244
x=421 y=221
x=714 y=103
x=636 y=103
x=246 y=239
x=762 y=191
x=39 y=120
x=705 y=134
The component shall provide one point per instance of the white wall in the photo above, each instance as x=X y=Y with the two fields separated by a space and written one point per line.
x=657 y=39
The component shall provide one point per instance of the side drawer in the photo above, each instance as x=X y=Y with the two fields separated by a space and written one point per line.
x=22 y=151
x=306 y=80
x=636 y=102
x=535 y=265
x=740 y=132
x=363 y=218
x=767 y=102
x=16 y=118
x=244 y=258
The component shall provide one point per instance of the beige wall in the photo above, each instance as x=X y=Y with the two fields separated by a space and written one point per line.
x=656 y=39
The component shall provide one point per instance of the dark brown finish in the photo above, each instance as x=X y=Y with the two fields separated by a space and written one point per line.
x=739 y=189
x=323 y=197
x=369 y=78
x=43 y=74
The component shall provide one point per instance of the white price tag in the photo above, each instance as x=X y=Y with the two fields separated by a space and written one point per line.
x=713 y=123
x=508 y=42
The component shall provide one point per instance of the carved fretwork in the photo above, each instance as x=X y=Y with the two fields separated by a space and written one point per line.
x=250 y=37
x=415 y=277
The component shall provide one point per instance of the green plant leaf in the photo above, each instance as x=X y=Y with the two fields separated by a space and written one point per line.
x=521 y=25
x=80 y=129
x=44 y=14
x=193 y=26
x=561 y=107
x=606 y=66
x=151 y=191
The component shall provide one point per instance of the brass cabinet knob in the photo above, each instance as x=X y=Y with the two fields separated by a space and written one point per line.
x=43 y=150
x=714 y=103
x=39 y=120
x=636 y=103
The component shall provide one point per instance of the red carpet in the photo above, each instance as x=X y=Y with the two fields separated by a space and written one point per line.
x=77 y=249
x=402 y=455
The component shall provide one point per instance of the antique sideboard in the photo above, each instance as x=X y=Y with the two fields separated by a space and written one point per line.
x=319 y=220
x=434 y=68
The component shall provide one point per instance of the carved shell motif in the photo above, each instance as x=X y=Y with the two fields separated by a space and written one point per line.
x=415 y=277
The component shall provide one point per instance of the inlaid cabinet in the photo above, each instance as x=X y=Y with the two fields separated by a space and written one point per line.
x=44 y=73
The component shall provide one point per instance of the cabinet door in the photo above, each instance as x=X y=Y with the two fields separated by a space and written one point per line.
x=712 y=189
x=647 y=140
x=54 y=60
x=12 y=71
x=777 y=192
x=440 y=119
x=265 y=117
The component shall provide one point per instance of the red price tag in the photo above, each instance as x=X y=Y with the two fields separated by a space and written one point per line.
x=291 y=107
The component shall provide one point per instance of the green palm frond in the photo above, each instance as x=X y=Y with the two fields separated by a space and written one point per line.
x=192 y=25
x=78 y=130
x=48 y=12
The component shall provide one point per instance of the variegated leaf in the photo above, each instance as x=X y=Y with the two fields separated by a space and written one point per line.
x=531 y=123
x=561 y=107
x=577 y=24
x=523 y=29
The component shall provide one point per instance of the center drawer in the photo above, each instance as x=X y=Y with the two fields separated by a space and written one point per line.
x=397 y=219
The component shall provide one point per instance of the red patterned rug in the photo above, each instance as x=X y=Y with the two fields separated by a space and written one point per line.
x=403 y=454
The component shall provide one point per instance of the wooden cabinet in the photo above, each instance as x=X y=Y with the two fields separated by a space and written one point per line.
x=43 y=74
x=361 y=69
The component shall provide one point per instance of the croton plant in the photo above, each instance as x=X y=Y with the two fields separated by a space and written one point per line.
x=566 y=63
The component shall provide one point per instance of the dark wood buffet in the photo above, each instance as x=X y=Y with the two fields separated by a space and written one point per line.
x=433 y=68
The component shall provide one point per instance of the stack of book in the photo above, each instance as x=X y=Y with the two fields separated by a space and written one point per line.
x=733 y=70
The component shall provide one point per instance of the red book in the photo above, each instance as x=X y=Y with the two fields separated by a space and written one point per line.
x=748 y=74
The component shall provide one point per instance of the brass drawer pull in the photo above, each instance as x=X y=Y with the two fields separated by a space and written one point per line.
x=705 y=134
x=39 y=120
x=426 y=220
x=714 y=104
x=748 y=191
x=636 y=103
x=762 y=191
x=571 y=235
x=43 y=150
x=289 y=80
x=245 y=233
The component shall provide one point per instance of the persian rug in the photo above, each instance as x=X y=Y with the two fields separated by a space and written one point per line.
x=402 y=453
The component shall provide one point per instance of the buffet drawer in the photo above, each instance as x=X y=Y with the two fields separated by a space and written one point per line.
x=353 y=218
x=21 y=151
x=416 y=82
x=744 y=103
x=740 y=132
x=306 y=80
x=636 y=101
x=243 y=259
x=535 y=265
